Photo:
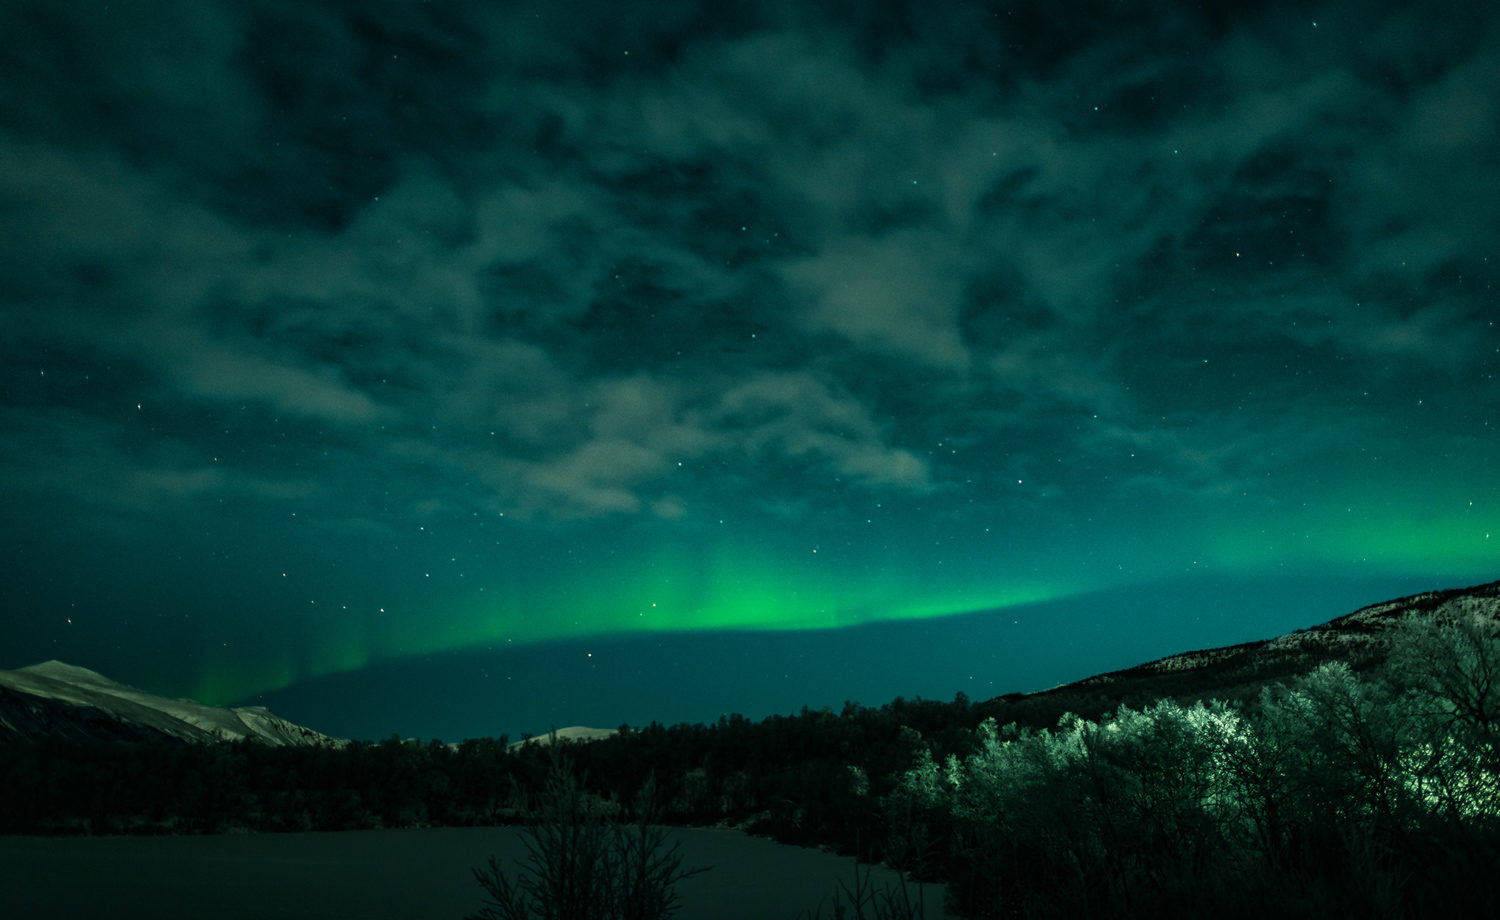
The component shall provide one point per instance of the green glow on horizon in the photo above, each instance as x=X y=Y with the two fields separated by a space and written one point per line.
x=655 y=582
x=727 y=586
x=1454 y=546
x=222 y=683
x=1456 y=537
x=674 y=586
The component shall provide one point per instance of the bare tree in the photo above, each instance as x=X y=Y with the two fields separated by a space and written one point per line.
x=583 y=865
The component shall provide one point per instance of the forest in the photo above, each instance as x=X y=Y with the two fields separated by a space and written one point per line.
x=1343 y=792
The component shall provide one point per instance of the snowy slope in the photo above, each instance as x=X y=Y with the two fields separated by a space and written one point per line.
x=96 y=694
x=571 y=733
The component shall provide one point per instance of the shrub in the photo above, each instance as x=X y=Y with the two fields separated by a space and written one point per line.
x=585 y=865
x=866 y=902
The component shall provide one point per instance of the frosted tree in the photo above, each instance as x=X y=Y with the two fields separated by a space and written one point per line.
x=1450 y=666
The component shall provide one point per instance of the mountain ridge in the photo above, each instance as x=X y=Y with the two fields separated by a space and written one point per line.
x=1238 y=672
x=59 y=700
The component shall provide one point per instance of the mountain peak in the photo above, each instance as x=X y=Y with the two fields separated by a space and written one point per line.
x=57 y=699
x=72 y=673
x=571 y=733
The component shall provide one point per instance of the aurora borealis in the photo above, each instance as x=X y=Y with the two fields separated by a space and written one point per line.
x=449 y=355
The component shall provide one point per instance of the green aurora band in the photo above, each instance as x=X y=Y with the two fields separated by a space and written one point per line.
x=674 y=584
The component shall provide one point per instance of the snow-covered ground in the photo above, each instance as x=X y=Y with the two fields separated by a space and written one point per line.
x=410 y=874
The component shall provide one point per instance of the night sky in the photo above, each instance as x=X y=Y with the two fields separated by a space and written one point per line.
x=456 y=368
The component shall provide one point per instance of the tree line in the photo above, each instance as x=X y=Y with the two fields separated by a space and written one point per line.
x=786 y=774
x=1338 y=793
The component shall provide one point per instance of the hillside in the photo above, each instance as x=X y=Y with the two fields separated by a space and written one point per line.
x=63 y=701
x=1238 y=672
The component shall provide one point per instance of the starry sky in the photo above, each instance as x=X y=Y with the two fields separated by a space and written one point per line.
x=461 y=367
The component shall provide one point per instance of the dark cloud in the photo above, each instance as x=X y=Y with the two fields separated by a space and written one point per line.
x=370 y=215
x=382 y=262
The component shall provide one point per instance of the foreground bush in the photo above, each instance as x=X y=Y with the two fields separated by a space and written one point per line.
x=866 y=902
x=582 y=864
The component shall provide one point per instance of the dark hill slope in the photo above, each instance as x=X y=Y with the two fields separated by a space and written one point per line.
x=1238 y=672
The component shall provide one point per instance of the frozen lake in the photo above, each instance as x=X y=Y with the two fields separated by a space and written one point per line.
x=410 y=874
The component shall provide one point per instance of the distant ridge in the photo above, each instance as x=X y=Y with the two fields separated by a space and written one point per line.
x=58 y=700
x=1239 y=671
x=571 y=733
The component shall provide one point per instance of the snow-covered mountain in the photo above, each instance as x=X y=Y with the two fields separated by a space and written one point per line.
x=571 y=733
x=59 y=700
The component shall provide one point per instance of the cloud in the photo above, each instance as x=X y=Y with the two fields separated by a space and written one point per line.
x=63 y=453
x=893 y=295
x=799 y=417
x=479 y=242
x=611 y=446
